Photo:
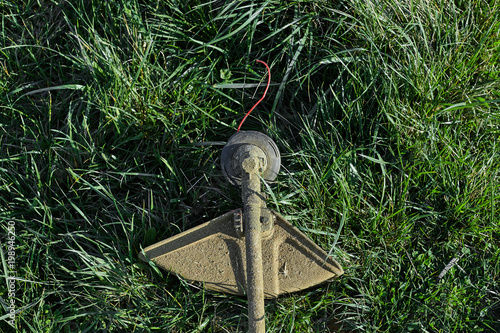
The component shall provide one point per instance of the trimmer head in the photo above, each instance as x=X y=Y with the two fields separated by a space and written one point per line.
x=232 y=153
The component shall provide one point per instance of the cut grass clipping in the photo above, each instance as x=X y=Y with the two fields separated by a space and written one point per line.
x=112 y=120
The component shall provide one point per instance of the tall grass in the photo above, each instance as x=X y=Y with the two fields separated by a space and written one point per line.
x=113 y=116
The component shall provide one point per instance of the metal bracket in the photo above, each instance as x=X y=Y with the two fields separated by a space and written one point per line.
x=266 y=219
x=238 y=222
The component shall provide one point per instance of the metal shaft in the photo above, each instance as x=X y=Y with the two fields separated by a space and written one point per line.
x=252 y=204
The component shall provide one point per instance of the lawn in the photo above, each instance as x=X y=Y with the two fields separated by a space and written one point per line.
x=113 y=115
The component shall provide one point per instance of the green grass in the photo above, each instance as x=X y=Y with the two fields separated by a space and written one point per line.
x=386 y=114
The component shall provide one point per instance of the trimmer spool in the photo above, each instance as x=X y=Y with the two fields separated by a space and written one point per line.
x=254 y=250
x=238 y=146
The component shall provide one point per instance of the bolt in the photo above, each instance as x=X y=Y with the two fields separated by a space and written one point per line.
x=249 y=164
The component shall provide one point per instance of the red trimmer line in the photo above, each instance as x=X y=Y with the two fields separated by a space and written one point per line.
x=265 y=92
